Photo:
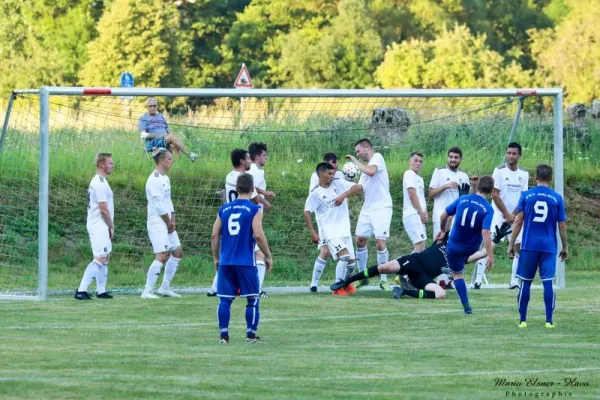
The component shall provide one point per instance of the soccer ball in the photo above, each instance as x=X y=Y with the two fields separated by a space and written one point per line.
x=350 y=170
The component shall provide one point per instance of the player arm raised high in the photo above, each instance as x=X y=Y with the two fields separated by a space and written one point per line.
x=261 y=239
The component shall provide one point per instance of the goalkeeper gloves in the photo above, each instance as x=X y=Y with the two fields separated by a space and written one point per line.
x=502 y=231
x=464 y=189
x=144 y=135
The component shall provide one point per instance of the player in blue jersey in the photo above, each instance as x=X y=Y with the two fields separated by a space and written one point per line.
x=472 y=222
x=539 y=212
x=237 y=229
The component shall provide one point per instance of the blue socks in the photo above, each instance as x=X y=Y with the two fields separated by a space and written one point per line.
x=461 y=289
x=252 y=316
x=224 y=314
x=523 y=299
x=549 y=299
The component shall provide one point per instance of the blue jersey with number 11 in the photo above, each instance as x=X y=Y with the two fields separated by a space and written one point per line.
x=237 y=236
x=472 y=213
x=543 y=209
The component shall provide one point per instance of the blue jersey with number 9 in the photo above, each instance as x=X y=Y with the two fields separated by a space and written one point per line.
x=237 y=237
x=543 y=209
x=472 y=213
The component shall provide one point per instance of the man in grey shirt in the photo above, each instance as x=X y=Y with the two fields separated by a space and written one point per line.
x=155 y=132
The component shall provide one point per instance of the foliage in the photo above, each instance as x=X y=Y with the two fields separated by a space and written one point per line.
x=141 y=37
x=569 y=55
x=455 y=59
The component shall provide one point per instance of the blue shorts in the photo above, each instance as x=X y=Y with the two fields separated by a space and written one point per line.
x=232 y=277
x=457 y=258
x=158 y=142
x=529 y=262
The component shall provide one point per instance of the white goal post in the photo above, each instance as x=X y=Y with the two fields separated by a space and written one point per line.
x=47 y=93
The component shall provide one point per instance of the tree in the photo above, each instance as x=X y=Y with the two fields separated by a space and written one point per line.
x=455 y=59
x=139 y=36
x=343 y=54
x=43 y=44
x=569 y=56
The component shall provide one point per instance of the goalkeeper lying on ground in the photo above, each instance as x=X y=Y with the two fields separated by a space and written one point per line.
x=421 y=269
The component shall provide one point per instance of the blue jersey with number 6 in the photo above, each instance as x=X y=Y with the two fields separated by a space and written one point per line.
x=472 y=213
x=237 y=237
x=543 y=209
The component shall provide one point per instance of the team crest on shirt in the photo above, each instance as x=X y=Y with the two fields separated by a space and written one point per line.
x=106 y=249
x=156 y=174
x=101 y=179
x=520 y=179
x=507 y=178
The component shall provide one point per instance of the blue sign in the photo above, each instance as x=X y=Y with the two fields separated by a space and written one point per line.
x=127 y=80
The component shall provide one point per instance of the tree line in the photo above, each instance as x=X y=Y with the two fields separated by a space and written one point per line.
x=303 y=43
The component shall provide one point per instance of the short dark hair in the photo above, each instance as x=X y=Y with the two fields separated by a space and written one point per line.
x=364 y=142
x=455 y=150
x=485 y=184
x=543 y=173
x=330 y=157
x=416 y=153
x=237 y=156
x=323 y=167
x=160 y=154
x=515 y=145
x=256 y=148
x=244 y=184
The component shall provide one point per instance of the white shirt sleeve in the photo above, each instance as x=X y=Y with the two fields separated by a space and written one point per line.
x=311 y=203
x=314 y=181
x=497 y=178
x=434 y=179
x=156 y=189
x=526 y=182
x=101 y=193
x=411 y=179
x=378 y=161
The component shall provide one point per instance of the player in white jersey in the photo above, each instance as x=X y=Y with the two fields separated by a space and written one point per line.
x=328 y=202
x=444 y=188
x=376 y=214
x=445 y=185
x=414 y=210
x=100 y=219
x=161 y=227
x=510 y=181
x=324 y=254
x=259 y=156
x=240 y=159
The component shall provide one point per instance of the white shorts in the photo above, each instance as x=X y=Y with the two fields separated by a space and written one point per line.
x=498 y=220
x=322 y=241
x=437 y=227
x=374 y=223
x=160 y=237
x=414 y=228
x=338 y=244
x=100 y=240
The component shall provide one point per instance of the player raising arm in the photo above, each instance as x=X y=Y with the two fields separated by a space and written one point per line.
x=237 y=229
x=328 y=202
x=539 y=211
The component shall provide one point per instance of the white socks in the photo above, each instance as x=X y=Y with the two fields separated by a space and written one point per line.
x=260 y=265
x=514 y=281
x=480 y=270
x=349 y=270
x=362 y=254
x=91 y=273
x=317 y=271
x=340 y=269
x=382 y=258
x=170 y=270
x=152 y=277
x=101 y=278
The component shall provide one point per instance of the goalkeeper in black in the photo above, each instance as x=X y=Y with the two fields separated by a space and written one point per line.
x=421 y=269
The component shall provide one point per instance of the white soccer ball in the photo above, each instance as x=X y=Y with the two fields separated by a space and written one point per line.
x=350 y=170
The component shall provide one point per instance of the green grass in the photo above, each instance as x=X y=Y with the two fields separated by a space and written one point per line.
x=315 y=346
x=295 y=146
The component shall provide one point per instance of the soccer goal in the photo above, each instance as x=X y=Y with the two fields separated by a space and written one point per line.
x=50 y=136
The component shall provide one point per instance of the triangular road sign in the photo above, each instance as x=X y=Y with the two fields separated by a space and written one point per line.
x=243 y=79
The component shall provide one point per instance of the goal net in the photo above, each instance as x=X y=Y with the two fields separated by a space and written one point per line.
x=51 y=136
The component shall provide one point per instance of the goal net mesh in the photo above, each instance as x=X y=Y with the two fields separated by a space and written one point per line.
x=297 y=131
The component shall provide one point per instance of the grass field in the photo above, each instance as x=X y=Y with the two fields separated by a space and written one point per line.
x=315 y=346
